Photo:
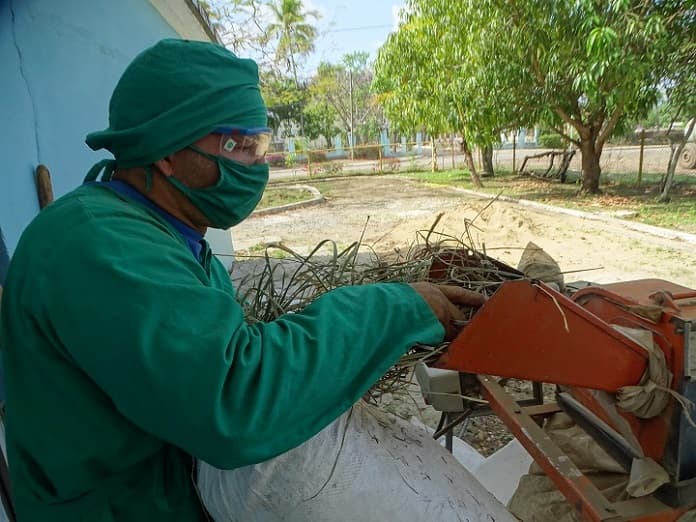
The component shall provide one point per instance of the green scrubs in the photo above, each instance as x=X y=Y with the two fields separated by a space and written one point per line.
x=125 y=357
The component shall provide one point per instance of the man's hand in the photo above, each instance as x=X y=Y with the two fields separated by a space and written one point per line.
x=443 y=300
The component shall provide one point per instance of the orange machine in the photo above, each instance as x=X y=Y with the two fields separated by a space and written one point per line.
x=528 y=330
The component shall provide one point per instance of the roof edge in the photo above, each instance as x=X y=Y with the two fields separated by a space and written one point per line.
x=204 y=19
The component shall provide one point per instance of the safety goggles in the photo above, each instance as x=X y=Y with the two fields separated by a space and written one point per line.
x=246 y=146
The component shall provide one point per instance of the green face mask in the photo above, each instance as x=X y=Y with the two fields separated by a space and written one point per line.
x=233 y=197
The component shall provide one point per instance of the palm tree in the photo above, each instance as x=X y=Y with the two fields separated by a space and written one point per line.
x=294 y=35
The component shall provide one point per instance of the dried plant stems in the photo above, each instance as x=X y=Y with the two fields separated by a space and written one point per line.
x=291 y=283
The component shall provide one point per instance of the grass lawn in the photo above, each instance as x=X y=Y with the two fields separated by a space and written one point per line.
x=619 y=193
x=329 y=186
x=277 y=196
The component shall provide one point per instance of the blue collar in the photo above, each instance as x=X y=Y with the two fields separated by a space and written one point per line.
x=192 y=236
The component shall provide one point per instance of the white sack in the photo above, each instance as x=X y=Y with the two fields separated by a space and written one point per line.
x=366 y=466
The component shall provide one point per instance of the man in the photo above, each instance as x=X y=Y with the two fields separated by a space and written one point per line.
x=125 y=351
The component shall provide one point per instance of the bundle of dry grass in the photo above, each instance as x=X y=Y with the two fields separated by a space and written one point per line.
x=291 y=283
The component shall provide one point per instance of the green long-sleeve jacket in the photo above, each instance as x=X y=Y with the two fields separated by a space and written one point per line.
x=125 y=357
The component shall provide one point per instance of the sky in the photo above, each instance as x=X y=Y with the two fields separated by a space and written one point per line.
x=351 y=25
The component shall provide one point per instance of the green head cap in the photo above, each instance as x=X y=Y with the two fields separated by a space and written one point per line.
x=173 y=94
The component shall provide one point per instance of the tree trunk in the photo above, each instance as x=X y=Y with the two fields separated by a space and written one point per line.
x=470 y=164
x=433 y=154
x=297 y=84
x=487 y=160
x=590 y=165
x=668 y=180
x=675 y=154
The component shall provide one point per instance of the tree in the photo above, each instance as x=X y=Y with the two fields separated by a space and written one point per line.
x=239 y=24
x=292 y=33
x=420 y=83
x=679 y=79
x=283 y=99
x=345 y=87
x=320 y=120
x=367 y=114
x=585 y=65
x=572 y=64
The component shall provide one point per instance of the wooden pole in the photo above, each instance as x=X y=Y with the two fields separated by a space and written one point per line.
x=44 y=188
x=640 y=159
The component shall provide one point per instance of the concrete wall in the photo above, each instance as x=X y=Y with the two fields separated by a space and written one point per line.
x=60 y=62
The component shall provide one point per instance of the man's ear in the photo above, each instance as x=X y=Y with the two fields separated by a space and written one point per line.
x=165 y=165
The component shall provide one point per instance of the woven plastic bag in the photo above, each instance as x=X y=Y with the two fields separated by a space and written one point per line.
x=366 y=466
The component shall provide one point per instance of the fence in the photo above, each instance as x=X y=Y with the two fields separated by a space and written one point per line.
x=446 y=154
x=614 y=160
x=371 y=158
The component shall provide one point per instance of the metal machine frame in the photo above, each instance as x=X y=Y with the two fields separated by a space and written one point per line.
x=528 y=330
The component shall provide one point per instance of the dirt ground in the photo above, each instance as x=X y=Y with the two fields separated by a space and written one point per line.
x=391 y=210
x=397 y=208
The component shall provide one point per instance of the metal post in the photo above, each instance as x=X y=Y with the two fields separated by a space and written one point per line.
x=452 y=144
x=352 y=130
x=309 y=163
x=379 y=151
x=514 y=150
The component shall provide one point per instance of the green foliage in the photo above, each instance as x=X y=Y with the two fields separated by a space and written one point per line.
x=292 y=33
x=335 y=84
x=278 y=196
x=293 y=36
x=290 y=160
x=278 y=34
x=409 y=91
x=320 y=120
x=679 y=70
x=301 y=145
x=479 y=66
x=551 y=140
x=283 y=99
x=660 y=116
x=424 y=75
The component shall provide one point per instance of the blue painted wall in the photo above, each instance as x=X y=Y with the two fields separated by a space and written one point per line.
x=4 y=259
x=60 y=62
